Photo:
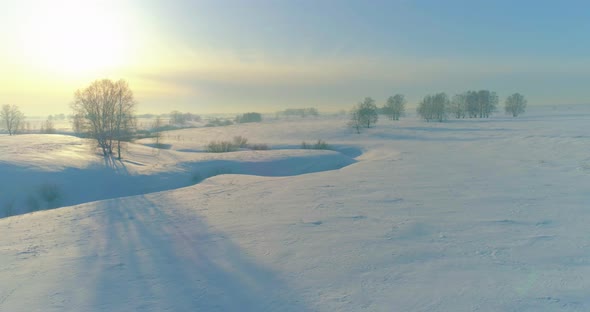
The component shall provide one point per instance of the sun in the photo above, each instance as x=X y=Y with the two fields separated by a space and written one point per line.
x=77 y=37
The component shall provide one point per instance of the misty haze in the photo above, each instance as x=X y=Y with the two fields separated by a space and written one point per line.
x=294 y=155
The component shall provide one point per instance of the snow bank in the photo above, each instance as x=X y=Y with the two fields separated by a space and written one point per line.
x=49 y=171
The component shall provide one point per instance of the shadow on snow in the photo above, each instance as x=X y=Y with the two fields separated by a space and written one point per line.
x=147 y=259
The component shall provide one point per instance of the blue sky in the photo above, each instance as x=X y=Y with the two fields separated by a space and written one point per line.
x=222 y=56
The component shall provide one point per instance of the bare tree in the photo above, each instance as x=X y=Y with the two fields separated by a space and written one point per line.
x=395 y=106
x=79 y=124
x=472 y=103
x=156 y=127
x=458 y=106
x=47 y=126
x=434 y=107
x=105 y=110
x=355 y=121
x=515 y=104
x=488 y=103
x=11 y=118
x=124 y=118
x=367 y=112
x=177 y=118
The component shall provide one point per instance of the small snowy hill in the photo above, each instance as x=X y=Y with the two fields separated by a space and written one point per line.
x=467 y=215
x=48 y=171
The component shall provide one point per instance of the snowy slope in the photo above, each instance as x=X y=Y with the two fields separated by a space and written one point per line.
x=37 y=166
x=461 y=216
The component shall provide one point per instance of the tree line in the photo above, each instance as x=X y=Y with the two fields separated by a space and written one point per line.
x=469 y=104
x=436 y=107
x=105 y=112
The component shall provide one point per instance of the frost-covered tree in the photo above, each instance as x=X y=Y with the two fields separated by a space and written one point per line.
x=515 y=104
x=105 y=111
x=355 y=121
x=156 y=131
x=434 y=107
x=480 y=104
x=47 y=126
x=367 y=112
x=458 y=106
x=488 y=103
x=78 y=124
x=472 y=103
x=11 y=118
x=395 y=106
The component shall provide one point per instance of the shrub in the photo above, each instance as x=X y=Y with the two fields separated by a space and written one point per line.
x=259 y=147
x=216 y=122
x=221 y=147
x=240 y=141
x=300 y=112
x=50 y=194
x=319 y=145
x=249 y=117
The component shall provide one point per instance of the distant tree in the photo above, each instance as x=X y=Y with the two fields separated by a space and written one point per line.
x=488 y=103
x=434 y=107
x=79 y=124
x=480 y=103
x=47 y=126
x=105 y=110
x=458 y=106
x=355 y=121
x=125 y=120
x=249 y=117
x=157 y=134
x=180 y=119
x=217 y=122
x=367 y=112
x=395 y=106
x=472 y=103
x=515 y=104
x=11 y=118
x=177 y=118
x=299 y=112
x=311 y=111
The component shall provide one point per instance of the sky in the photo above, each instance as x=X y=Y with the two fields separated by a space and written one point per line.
x=224 y=56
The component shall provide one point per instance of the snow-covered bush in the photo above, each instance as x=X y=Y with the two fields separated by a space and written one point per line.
x=259 y=147
x=221 y=147
x=240 y=141
x=249 y=117
x=319 y=145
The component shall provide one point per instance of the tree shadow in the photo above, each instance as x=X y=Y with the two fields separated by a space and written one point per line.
x=116 y=165
x=145 y=258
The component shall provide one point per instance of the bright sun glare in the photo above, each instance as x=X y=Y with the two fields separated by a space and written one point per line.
x=76 y=37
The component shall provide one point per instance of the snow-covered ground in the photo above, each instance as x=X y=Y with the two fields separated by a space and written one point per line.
x=467 y=215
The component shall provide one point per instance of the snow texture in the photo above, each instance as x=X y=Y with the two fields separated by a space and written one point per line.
x=467 y=215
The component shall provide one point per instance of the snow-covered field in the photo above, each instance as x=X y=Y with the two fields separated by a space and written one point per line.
x=467 y=215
